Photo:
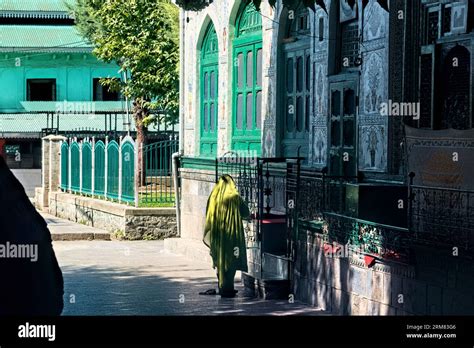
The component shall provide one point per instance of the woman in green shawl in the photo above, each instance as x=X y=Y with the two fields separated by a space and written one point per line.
x=224 y=233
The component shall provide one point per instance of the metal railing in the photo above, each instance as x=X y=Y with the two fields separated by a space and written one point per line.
x=80 y=125
x=102 y=170
x=442 y=216
x=367 y=237
x=437 y=217
x=157 y=186
x=322 y=199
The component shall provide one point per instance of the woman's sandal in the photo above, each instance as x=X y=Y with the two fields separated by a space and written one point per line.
x=209 y=292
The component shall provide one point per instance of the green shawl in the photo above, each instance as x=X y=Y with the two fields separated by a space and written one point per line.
x=224 y=230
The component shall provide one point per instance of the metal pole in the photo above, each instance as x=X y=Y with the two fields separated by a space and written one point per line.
x=120 y=171
x=135 y=175
x=81 y=144
x=93 y=167
x=69 y=165
x=181 y=81
x=141 y=165
x=127 y=127
x=177 y=191
x=106 y=157
x=260 y=213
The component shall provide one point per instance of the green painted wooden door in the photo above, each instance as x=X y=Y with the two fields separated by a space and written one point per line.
x=343 y=129
x=247 y=82
x=295 y=85
x=209 y=77
x=342 y=141
x=296 y=102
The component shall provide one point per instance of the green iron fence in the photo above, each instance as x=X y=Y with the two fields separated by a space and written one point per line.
x=65 y=166
x=86 y=166
x=74 y=168
x=157 y=182
x=113 y=170
x=104 y=170
x=128 y=172
x=99 y=169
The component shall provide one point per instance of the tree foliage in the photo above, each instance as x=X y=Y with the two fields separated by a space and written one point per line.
x=142 y=37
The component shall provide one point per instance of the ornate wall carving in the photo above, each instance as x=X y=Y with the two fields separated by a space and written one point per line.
x=373 y=127
x=320 y=52
x=319 y=149
x=372 y=144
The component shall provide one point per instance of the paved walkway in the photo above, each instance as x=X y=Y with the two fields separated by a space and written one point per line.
x=62 y=229
x=142 y=278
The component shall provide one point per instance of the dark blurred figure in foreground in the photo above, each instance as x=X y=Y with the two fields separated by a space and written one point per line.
x=31 y=282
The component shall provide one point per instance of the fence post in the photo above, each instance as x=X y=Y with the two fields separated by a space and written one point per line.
x=177 y=201
x=140 y=170
x=69 y=165
x=105 y=165
x=93 y=167
x=135 y=175
x=61 y=165
x=81 y=144
x=50 y=169
x=120 y=170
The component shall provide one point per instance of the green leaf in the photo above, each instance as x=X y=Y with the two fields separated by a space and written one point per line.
x=142 y=37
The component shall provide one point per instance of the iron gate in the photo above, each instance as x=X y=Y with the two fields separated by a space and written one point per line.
x=157 y=187
x=267 y=185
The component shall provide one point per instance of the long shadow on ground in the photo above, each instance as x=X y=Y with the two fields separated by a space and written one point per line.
x=94 y=290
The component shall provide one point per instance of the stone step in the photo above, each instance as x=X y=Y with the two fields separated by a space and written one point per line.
x=58 y=236
x=65 y=230
x=267 y=289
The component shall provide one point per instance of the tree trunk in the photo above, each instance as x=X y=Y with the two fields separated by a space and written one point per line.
x=139 y=113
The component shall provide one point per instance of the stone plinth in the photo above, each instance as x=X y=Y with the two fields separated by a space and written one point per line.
x=124 y=222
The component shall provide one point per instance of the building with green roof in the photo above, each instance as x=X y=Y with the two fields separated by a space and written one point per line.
x=35 y=8
x=46 y=67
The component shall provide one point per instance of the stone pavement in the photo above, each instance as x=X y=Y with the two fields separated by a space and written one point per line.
x=62 y=229
x=29 y=178
x=142 y=278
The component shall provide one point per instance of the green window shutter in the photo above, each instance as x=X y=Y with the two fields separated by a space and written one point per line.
x=294 y=102
x=247 y=81
x=209 y=80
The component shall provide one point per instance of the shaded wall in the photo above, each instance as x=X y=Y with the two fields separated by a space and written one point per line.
x=433 y=283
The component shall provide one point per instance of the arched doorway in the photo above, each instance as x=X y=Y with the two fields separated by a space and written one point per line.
x=247 y=80
x=209 y=79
